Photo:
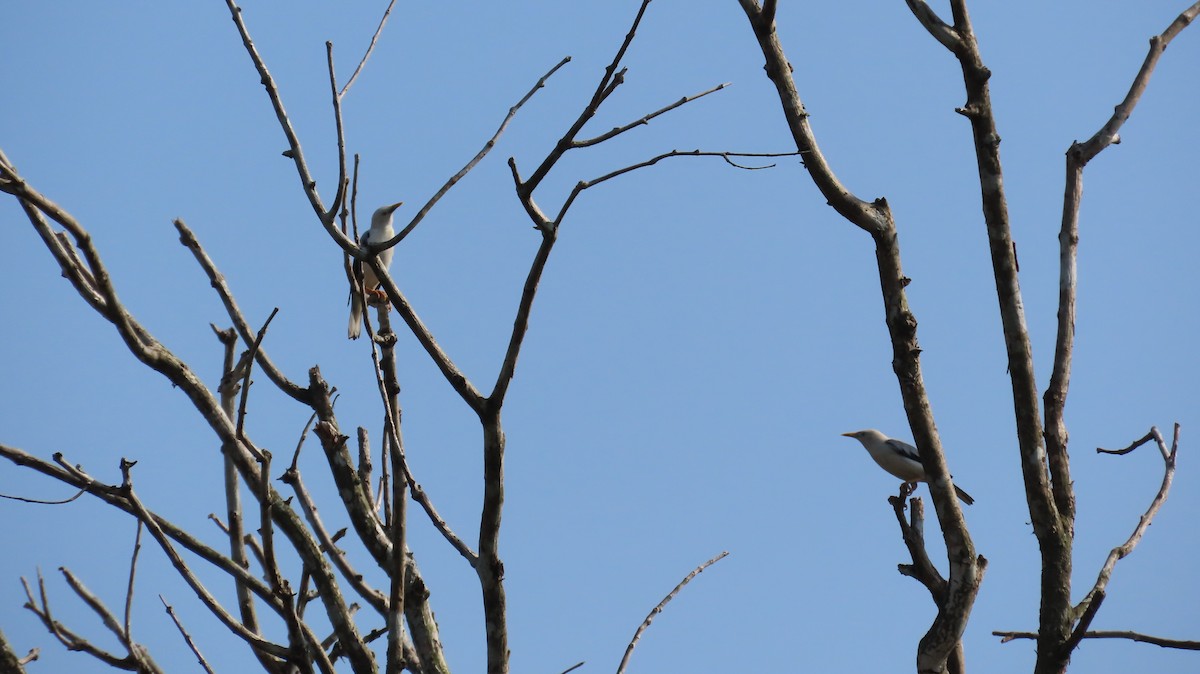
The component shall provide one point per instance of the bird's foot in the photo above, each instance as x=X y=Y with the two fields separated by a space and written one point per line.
x=376 y=297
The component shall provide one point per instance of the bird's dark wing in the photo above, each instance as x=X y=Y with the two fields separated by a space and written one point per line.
x=904 y=449
x=356 y=265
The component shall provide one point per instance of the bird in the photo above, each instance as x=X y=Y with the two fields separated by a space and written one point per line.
x=381 y=230
x=898 y=458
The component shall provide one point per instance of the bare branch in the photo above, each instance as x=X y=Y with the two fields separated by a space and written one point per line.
x=521 y=323
x=241 y=417
x=483 y=152
x=340 y=195
x=353 y=494
x=1180 y=644
x=186 y=637
x=1108 y=134
x=646 y=119
x=370 y=48
x=300 y=443
x=233 y=502
x=93 y=602
x=457 y=380
x=389 y=388
x=422 y=499
x=637 y=635
x=768 y=11
x=1077 y=157
x=913 y=533
x=61 y=632
x=35 y=501
x=372 y=596
x=1087 y=608
x=9 y=662
x=185 y=572
x=608 y=83
x=189 y=240
x=307 y=183
x=942 y=640
x=137 y=548
x=940 y=31
x=1152 y=435
x=727 y=156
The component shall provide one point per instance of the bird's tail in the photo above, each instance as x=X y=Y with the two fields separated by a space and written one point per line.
x=356 y=312
x=966 y=498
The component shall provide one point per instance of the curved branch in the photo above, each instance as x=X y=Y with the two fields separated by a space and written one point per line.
x=637 y=635
x=1086 y=608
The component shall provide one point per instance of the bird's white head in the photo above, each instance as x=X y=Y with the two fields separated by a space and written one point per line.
x=866 y=435
x=383 y=215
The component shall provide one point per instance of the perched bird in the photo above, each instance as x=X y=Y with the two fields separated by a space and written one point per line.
x=898 y=458
x=381 y=230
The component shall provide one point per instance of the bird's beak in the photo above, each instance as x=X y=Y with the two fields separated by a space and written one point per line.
x=848 y=435
x=393 y=207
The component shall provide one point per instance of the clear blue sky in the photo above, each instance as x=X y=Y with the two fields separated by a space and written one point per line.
x=702 y=337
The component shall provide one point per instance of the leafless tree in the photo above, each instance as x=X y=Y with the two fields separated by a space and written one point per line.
x=1044 y=458
x=374 y=496
x=311 y=620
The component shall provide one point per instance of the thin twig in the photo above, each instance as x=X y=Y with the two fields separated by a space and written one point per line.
x=186 y=637
x=137 y=548
x=188 y=238
x=370 y=48
x=372 y=596
x=241 y=417
x=586 y=184
x=1180 y=644
x=300 y=443
x=1136 y=443
x=23 y=499
x=637 y=635
x=340 y=195
x=646 y=119
x=607 y=84
x=307 y=182
x=65 y=636
x=185 y=572
x=487 y=147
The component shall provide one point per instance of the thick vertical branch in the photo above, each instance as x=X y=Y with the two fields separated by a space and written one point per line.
x=1046 y=470
x=1051 y=504
x=398 y=524
x=233 y=503
x=490 y=568
x=966 y=570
